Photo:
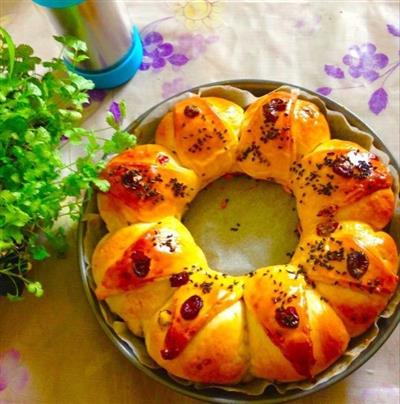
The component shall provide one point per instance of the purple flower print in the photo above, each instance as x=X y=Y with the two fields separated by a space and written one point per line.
x=324 y=90
x=364 y=61
x=334 y=71
x=393 y=30
x=156 y=53
x=13 y=376
x=378 y=101
x=170 y=88
x=305 y=22
x=193 y=45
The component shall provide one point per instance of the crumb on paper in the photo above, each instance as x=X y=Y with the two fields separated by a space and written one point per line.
x=235 y=228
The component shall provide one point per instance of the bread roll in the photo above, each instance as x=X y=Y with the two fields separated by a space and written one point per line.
x=147 y=184
x=354 y=269
x=203 y=134
x=277 y=130
x=339 y=180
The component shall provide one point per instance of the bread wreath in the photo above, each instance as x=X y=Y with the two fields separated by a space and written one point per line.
x=282 y=323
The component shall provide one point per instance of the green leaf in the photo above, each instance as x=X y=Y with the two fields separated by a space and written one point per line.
x=58 y=240
x=14 y=298
x=103 y=185
x=75 y=135
x=81 y=58
x=70 y=115
x=111 y=121
x=33 y=89
x=14 y=215
x=36 y=186
x=7 y=196
x=23 y=51
x=74 y=49
x=80 y=82
x=35 y=288
x=11 y=50
x=15 y=123
x=5 y=246
x=122 y=107
x=39 y=252
x=123 y=140
x=71 y=42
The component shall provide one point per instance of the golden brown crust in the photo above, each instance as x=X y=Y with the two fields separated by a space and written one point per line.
x=141 y=254
x=283 y=323
x=113 y=246
x=137 y=306
x=339 y=179
x=147 y=184
x=195 y=304
x=357 y=310
x=273 y=135
x=203 y=134
x=283 y=311
x=216 y=354
x=328 y=333
x=356 y=259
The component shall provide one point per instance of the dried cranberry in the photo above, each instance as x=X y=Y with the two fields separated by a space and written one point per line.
x=169 y=353
x=324 y=229
x=191 y=111
x=191 y=307
x=357 y=264
x=140 y=263
x=162 y=159
x=329 y=211
x=272 y=109
x=343 y=167
x=287 y=317
x=179 y=279
x=270 y=115
x=278 y=104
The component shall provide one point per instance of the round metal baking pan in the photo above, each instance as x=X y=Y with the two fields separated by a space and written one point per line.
x=270 y=395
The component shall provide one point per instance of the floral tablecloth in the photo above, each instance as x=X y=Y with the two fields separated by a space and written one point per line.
x=51 y=349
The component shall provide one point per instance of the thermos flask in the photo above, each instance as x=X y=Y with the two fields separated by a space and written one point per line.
x=114 y=47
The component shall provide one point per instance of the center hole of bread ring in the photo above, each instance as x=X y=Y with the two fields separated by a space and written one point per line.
x=242 y=224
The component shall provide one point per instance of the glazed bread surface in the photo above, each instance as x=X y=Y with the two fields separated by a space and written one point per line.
x=293 y=334
x=203 y=134
x=277 y=130
x=283 y=323
x=354 y=268
x=339 y=180
x=147 y=184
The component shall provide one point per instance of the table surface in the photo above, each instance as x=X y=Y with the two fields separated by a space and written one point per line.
x=52 y=350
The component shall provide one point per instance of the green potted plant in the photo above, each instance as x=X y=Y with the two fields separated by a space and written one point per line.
x=41 y=104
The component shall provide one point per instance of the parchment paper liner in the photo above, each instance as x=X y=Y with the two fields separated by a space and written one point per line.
x=340 y=128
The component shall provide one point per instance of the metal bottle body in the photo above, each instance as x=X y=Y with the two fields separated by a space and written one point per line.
x=103 y=25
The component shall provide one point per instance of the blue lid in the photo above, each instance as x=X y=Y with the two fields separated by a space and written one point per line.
x=58 y=3
x=120 y=72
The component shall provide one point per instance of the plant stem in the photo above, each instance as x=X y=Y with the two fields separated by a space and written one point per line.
x=390 y=72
